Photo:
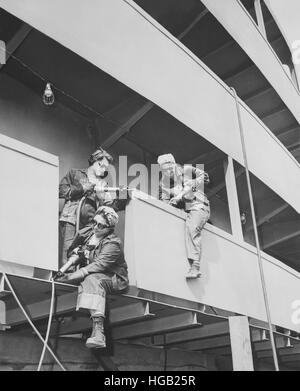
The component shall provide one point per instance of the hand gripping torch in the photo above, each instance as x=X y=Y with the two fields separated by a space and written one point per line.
x=74 y=260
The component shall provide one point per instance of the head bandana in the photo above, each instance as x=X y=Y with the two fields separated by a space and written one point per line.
x=99 y=154
x=109 y=214
x=167 y=158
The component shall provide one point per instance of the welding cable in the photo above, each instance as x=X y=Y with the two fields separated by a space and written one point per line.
x=260 y=264
x=78 y=214
x=30 y=321
x=49 y=324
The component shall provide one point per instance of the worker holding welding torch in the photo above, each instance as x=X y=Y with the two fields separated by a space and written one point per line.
x=82 y=190
x=103 y=269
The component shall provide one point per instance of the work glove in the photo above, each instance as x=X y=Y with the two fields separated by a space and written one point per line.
x=88 y=187
x=73 y=278
x=175 y=200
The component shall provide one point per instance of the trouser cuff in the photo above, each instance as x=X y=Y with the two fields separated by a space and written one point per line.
x=91 y=302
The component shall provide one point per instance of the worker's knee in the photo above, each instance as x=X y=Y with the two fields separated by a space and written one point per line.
x=90 y=283
x=99 y=281
x=105 y=284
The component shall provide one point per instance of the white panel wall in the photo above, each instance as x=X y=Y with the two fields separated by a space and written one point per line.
x=155 y=253
x=120 y=38
x=269 y=160
x=28 y=205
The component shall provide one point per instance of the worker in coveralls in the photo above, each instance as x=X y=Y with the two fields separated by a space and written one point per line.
x=105 y=269
x=85 y=185
x=183 y=187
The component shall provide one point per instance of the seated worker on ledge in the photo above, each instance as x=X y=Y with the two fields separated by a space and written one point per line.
x=182 y=187
x=83 y=184
x=105 y=270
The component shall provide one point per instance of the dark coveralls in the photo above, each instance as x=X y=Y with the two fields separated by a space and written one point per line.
x=106 y=271
x=195 y=204
x=71 y=189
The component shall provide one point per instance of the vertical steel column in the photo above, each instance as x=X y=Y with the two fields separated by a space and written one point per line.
x=261 y=271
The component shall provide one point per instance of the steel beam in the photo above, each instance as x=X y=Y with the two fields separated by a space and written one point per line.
x=256 y=94
x=233 y=202
x=125 y=128
x=16 y=41
x=265 y=351
x=224 y=351
x=39 y=310
x=271 y=113
x=128 y=313
x=3 y=292
x=120 y=131
x=193 y=24
x=208 y=157
x=222 y=185
x=131 y=312
x=281 y=238
x=3 y=323
x=183 y=320
x=269 y=216
x=216 y=341
x=285 y=131
x=206 y=331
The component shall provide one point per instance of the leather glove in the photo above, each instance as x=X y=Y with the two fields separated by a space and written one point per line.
x=73 y=278
x=88 y=187
x=175 y=200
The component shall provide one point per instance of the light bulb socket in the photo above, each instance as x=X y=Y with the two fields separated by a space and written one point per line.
x=48 y=96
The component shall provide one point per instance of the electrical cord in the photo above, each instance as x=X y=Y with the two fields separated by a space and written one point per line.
x=49 y=324
x=30 y=321
x=37 y=74
x=260 y=264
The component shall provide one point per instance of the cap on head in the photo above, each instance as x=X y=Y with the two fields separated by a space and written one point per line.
x=167 y=158
x=99 y=154
x=109 y=214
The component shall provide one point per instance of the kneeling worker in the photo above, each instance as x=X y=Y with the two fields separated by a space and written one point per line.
x=105 y=272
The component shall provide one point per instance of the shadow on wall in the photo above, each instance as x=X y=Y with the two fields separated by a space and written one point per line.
x=54 y=129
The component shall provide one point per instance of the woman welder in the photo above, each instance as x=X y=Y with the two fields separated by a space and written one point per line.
x=105 y=272
x=75 y=185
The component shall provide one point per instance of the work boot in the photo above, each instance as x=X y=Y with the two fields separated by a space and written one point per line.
x=194 y=271
x=97 y=339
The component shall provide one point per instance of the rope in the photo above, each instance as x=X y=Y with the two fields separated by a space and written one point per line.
x=78 y=214
x=49 y=325
x=260 y=264
x=30 y=321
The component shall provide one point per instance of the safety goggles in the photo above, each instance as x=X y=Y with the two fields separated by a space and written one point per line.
x=99 y=225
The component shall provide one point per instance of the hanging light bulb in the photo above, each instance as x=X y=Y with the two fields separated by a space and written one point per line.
x=48 y=96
